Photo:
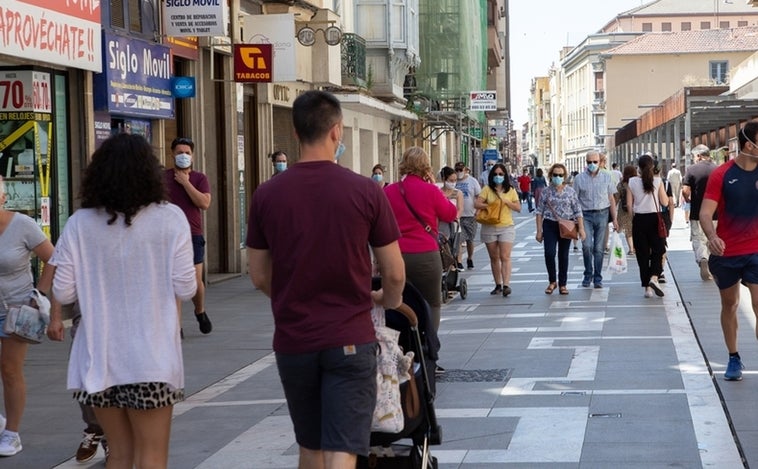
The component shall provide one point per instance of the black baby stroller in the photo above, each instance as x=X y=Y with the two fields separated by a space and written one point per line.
x=410 y=447
x=450 y=277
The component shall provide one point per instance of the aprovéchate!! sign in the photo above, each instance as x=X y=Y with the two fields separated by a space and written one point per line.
x=253 y=63
x=483 y=100
x=61 y=32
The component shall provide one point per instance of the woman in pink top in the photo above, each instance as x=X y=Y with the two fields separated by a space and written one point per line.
x=416 y=192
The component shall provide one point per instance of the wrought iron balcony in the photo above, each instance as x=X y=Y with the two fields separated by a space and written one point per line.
x=353 y=51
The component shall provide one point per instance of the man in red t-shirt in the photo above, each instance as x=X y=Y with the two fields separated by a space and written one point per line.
x=191 y=191
x=525 y=186
x=310 y=233
x=731 y=191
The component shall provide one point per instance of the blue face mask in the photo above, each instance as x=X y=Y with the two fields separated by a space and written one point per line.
x=592 y=167
x=557 y=180
x=377 y=177
x=339 y=151
x=498 y=179
x=280 y=166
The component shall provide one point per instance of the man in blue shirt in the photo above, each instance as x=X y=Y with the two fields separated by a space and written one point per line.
x=595 y=191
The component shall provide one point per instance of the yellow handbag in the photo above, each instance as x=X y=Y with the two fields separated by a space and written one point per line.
x=491 y=214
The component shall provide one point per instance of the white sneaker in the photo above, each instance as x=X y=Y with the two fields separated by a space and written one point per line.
x=2 y=423
x=648 y=293
x=9 y=444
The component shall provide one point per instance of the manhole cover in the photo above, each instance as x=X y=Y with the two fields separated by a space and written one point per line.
x=475 y=376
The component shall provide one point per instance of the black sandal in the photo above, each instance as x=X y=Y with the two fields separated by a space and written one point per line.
x=498 y=289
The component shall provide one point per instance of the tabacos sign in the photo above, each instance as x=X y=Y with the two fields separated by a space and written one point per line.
x=253 y=63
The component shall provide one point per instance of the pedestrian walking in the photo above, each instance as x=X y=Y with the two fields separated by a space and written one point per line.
x=191 y=191
x=645 y=197
x=525 y=186
x=93 y=435
x=538 y=184
x=499 y=237
x=732 y=190
x=693 y=190
x=674 y=177
x=622 y=209
x=470 y=189
x=454 y=196
x=125 y=257
x=595 y=190
x=558 y=201
x=377 y=175
x=312 y=257
x=418 y=205
x=20 y=238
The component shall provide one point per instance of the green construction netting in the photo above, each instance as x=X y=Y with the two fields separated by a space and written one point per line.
x=453 y=43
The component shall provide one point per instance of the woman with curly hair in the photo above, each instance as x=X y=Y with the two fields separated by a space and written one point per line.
x=125 y=256
x=418 y=203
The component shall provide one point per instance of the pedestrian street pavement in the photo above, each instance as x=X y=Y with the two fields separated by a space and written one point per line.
x=597 y=379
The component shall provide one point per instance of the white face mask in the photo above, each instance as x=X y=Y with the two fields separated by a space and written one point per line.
x=449 y=185
x=183 y=160
x=460 y=174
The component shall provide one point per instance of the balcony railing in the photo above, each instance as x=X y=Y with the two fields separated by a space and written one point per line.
x=353 y=52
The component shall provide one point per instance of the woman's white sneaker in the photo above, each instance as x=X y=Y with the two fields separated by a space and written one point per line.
x=10 y=443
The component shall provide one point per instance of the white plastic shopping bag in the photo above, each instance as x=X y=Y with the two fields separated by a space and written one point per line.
x=617 y=261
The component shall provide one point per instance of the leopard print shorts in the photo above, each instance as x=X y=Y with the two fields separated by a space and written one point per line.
x=142 y=396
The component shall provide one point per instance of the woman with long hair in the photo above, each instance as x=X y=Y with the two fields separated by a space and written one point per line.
x=418 y=203
x=558 y=201
x=499 y=237
x=645 y=198
x=623 y=211
x=126 y=256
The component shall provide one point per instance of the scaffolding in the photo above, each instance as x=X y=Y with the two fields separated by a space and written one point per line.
x=453 y=50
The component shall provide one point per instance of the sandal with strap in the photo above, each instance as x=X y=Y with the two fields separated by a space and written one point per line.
x=563 y=290
x=550 y=288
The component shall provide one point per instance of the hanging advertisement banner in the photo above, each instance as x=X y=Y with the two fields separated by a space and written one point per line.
x=279 y=31
x=136 y=80
x=483 y=101
x=185 y=18
x=253 y=63
x=58 y=32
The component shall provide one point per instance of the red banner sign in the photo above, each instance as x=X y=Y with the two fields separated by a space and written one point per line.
x=253 y=63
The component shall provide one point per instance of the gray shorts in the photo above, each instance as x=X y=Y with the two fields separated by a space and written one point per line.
x=502 y=234
x=331 y=396
x=468 y=228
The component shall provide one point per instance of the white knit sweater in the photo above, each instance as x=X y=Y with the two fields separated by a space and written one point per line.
x=126 y=279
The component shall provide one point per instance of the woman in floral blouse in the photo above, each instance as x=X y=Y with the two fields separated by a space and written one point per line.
x=557 y=200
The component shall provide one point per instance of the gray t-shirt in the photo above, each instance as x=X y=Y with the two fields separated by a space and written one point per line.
x=470 y=188
x=18 y=240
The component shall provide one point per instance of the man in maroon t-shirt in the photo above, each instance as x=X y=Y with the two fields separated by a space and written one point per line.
x=191 y=191
x=309 y=233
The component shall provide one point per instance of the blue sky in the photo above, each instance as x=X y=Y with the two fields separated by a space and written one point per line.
x=541 y=28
